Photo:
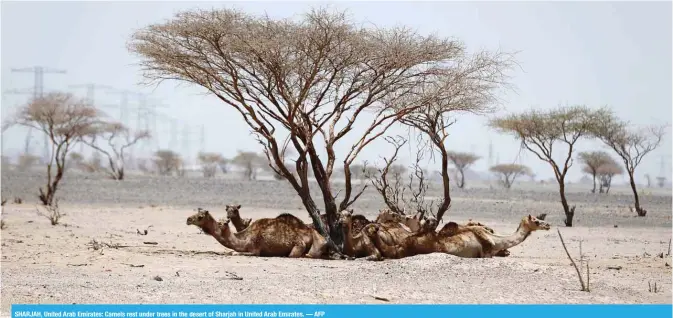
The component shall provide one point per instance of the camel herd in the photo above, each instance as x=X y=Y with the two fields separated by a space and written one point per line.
x=390 y=236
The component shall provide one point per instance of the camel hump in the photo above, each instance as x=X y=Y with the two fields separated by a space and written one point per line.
x=290 y=219
x=449 y=229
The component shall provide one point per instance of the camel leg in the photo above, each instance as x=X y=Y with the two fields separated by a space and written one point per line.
x=234 y=253
x=297 y=251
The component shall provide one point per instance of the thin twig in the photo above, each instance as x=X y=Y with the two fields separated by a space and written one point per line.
x=579 y=274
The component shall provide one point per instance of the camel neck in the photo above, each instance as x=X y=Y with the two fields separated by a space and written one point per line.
x=238 y=223
x=348 y=238
x=224 y=236
x=514 y=239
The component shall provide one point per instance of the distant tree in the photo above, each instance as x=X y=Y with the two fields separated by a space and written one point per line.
x=250 y=161
x=539 y=130
x=631 y=145
x=508 y=173
x=118 y=138
x=592 y=160
x=224 y=165
x=167 y=162
x=605 y=173
x=64 y=119
x=209 y=162
x=462 y=160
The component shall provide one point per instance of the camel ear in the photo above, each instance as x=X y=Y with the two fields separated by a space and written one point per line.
x=530 y=217
x=238 y=206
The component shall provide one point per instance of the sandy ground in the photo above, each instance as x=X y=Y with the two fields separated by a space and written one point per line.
x=55 y=264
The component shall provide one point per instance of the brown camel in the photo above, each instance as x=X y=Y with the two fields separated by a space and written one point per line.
x=284 y=236
x=234 y=215
x=412 y=222
x=453 y=228
x=356 y=243
x=472 y=242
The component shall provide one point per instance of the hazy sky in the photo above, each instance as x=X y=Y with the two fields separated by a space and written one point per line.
x=593 y=53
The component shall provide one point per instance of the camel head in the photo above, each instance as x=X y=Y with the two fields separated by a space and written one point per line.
x=532 y=223
x=200 y=218
x=428 y=224
x=232 y=211
x=344 y=217
x=223 y=222
x=388 y=215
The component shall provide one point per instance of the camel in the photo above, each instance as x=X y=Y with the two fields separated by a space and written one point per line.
x=412 y=222
x=233 y=214
x=356 y=243
x=453 y=228
x=284 y=236
x=470 y=242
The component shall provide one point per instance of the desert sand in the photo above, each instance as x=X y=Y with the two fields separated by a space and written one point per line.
x=42 y=263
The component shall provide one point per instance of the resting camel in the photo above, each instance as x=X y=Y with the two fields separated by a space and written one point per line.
x=453 y=228
x=412 y=222
x=284 y=235
x=233 y=213
x=356 y=243
x=472 y=242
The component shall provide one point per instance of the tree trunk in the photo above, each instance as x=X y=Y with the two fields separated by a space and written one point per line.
x=461 y=182
x=639 y=210
x=569 y=212
x=594 y=189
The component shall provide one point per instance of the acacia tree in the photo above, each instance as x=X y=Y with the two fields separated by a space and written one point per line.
x=631 y=145
x=462 y=160
x=508 y=173
x=209 y=163
x=300 y=83
x=250 y=162
x=540 y=130
x=167 y=162
x=605 y=173
x=592 y=160
x=118 y=138
x=65 y=119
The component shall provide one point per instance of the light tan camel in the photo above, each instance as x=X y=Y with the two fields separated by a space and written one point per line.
x=234 y=215
x=412 y=222
x=472 y=242
x=453 y=228
x=284 y=236
x=356 y=243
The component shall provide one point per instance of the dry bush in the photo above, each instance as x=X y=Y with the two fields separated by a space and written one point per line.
x=301 y=83
x=64 y=119
x=462 y=161
x=167 y=162
x=508 y=173
x=209 y=163
x=401 y=197
x=17 y=200
x=540 y=130
x=53 y=213
x=26 y=161
x=605 y=173
x=4 y=201
x=118 y=138
x=631 y=145
x=3 y=225
x=251 y=163
x=592 y=161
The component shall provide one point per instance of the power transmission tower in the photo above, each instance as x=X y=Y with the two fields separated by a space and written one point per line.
x=38 y=92
x=91 y=98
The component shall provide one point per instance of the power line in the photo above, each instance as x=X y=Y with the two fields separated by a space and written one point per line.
x=91 y=98
x=38 y=92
